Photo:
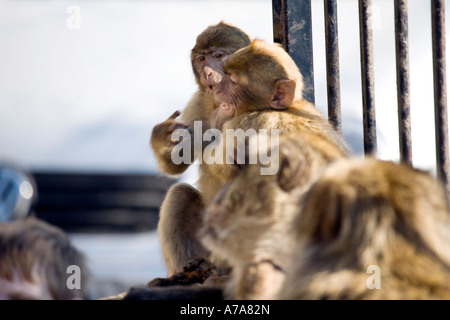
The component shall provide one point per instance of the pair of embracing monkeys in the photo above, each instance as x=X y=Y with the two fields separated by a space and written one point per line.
x=325 y=225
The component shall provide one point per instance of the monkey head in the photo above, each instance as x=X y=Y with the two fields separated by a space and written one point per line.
x=259 y=76
x=212 y=48
x=247 y=216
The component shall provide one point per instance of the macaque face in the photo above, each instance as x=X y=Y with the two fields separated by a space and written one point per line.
x=228 y=92
x=256 y=79
x=208 y=64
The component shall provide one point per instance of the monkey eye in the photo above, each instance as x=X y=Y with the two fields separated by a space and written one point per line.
x=200 y=58
x=218 y=55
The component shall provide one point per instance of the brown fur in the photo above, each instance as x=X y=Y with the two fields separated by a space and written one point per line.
x=202 y=103
x=248 y=222
x=246 y=63
x=29 y=245
x=259 y=67
x=261 y=101
x=179 y=214
x=363 y=213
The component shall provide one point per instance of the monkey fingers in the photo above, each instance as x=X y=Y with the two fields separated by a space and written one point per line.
x=174 y=115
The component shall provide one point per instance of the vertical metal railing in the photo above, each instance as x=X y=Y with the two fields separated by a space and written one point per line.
x=440 y=89
x=292 y=22
x=367 y=77
x=332 y=63
x=402 y=62
x=292 y=27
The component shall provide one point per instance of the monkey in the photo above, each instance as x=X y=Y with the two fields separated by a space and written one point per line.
x=248 y=220
x=213 y=46
x=180 y=211
x=371 y=229
x=263 y=89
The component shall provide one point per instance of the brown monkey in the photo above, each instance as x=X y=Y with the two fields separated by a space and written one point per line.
x=247 y=223
x=213 y=46
x=262 y=89
x=180 y=211
x=372 y=229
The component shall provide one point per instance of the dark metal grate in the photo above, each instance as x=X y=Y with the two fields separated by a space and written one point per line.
x=440 y=88
x=367 y=77
x=292 y=27
x=402 y=61
x=332 y=57
x=288 y=14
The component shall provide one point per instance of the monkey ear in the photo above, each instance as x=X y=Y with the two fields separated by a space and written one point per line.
x=290 y=171
x=283 y=94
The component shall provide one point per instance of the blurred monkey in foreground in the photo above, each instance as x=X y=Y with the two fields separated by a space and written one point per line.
x=248 y=222
x=37 y=261
x=371 y=229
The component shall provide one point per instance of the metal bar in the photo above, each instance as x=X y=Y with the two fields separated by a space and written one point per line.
x=402 y=62
x=292 y=27
x=440 y=86
x=332 y=62
x=367 y=77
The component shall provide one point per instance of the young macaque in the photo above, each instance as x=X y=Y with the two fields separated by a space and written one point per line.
x=262 y=90
x=248 y=222
x=213 y=47
x=372 y=229
x=180 y=211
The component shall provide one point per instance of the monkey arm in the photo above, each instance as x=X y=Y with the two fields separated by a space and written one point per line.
x=162 y=145
x=163 y=156
x=198 y=108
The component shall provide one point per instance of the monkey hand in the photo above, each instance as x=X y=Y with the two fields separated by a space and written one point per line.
x=162 y=141
x=162 y=133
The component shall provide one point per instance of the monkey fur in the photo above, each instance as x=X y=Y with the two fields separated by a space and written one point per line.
x=369 y=218
x=248 y=220
x=180 y=211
